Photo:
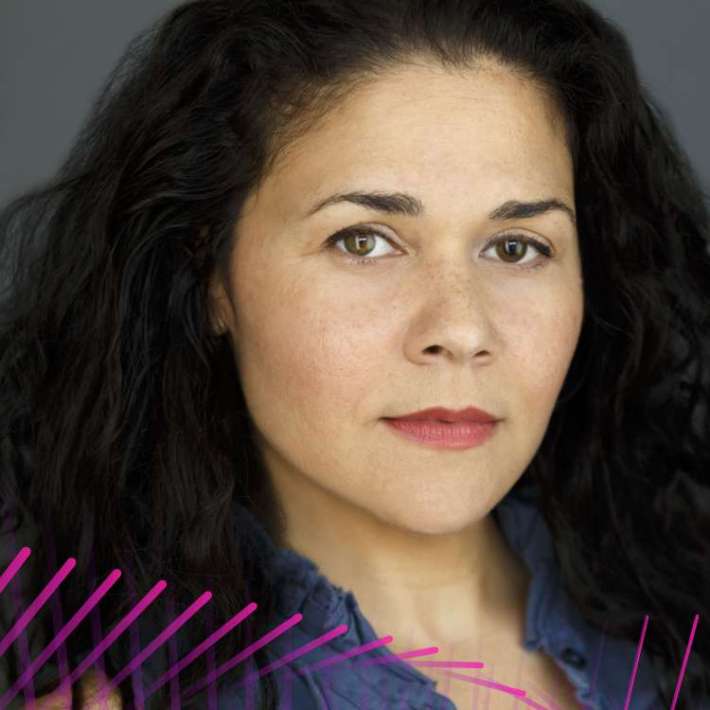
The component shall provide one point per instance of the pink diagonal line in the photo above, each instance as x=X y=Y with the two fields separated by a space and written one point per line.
x=302 y=650
x=679 y=682
x=67 y=629
x=23 y=649
x=339 y=657
x=252 y=677
x=199 y=650
x=499 y=687
x=117 y=630
x=159 y=640
x=36 y=605
x=14 y=567
x=632 y=680
x=248 y=651
x=450 y=664
x=426 y=651
x=430 y=650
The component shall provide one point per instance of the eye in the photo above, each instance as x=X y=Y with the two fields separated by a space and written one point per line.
x=516 y=245
x=509 y=247
x=358 y=239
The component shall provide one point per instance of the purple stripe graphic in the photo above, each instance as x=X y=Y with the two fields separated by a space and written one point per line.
x=96 y=632
x=679 y=682
x=36 y=605
x=339 y=657
x=173 y=659
x=134 y=640
x=56 y=645
x=212 y=687
x=246 y=653
x=85 y=608
x=22 y=648
x=160 y=639
x=428 y=651
x=250 y=680
x=632 y=680
x=14 y=567
x=117 y=630
x=302 y=650
x=199 y=650
x=450 y=664
x=57 y=612
x=500 y=687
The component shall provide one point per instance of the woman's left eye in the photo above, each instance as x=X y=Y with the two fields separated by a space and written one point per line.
x=359 y=238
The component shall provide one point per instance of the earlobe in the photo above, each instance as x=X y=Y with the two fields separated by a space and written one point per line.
x=216 y=298
x=219 y=328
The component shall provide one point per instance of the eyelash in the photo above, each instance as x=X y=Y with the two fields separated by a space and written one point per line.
x=544 y=250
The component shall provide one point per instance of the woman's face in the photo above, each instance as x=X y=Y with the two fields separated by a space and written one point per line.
x=327 y=348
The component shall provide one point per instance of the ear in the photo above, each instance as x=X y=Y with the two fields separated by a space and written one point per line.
x=218 y=304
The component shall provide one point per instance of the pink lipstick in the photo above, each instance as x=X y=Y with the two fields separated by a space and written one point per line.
x=440 y=427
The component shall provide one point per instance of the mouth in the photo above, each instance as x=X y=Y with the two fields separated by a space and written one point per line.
x=444 y=414
x=442 y=434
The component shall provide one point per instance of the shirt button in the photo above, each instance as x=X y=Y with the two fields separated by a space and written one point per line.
x=573 y=658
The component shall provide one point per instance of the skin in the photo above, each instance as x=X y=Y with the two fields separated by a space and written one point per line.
x=93 y=683
x=325 y=348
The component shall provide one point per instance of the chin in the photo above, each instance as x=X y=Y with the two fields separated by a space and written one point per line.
x=430 y=520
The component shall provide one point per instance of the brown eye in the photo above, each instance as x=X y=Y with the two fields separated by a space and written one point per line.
x=361 y=243
x=513 y=248
x=357 y=244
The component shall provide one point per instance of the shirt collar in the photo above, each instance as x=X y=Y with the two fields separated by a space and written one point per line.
x=552 y=621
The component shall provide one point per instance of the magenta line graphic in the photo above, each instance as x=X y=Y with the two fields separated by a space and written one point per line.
x=163 y=636
x=681 y=675
x=340 y=657
x=246 y=653
x=22 y=650
x=281 y=665
x=639 y=648
x=14 y=567
x=58 y=640
x=36 y=605
x=120 y=627
x=201 y=648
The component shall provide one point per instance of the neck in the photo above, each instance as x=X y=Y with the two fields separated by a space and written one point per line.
x=423 y=589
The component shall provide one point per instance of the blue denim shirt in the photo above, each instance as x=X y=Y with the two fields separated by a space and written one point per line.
x=598 y=667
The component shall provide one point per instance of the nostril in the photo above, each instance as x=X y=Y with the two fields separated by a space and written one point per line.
x=434 y=349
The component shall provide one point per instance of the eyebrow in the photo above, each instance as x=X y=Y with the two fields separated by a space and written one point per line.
x=403 y=204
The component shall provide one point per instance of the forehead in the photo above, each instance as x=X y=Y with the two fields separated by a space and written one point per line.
x=432 y=132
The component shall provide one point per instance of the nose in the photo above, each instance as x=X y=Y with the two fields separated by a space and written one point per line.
x=451 y=318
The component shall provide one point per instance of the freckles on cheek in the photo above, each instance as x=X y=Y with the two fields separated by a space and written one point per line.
x=554 y=347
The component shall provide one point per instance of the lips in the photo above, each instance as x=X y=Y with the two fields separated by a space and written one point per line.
x=442 y=414
x=443 y=435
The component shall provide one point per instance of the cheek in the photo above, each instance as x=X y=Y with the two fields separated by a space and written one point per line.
x=307 y=356
x=546 y=342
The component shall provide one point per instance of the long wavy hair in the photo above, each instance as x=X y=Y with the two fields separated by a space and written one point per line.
x=124 y=432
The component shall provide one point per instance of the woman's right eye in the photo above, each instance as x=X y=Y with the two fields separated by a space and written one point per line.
x=357 y=238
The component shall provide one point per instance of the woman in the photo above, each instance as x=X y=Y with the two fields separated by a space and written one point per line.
x=286 y=227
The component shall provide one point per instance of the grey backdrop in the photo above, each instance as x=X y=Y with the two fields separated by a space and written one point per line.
x=54 y=57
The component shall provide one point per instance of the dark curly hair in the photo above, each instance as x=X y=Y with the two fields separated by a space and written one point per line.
x=116 y=435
